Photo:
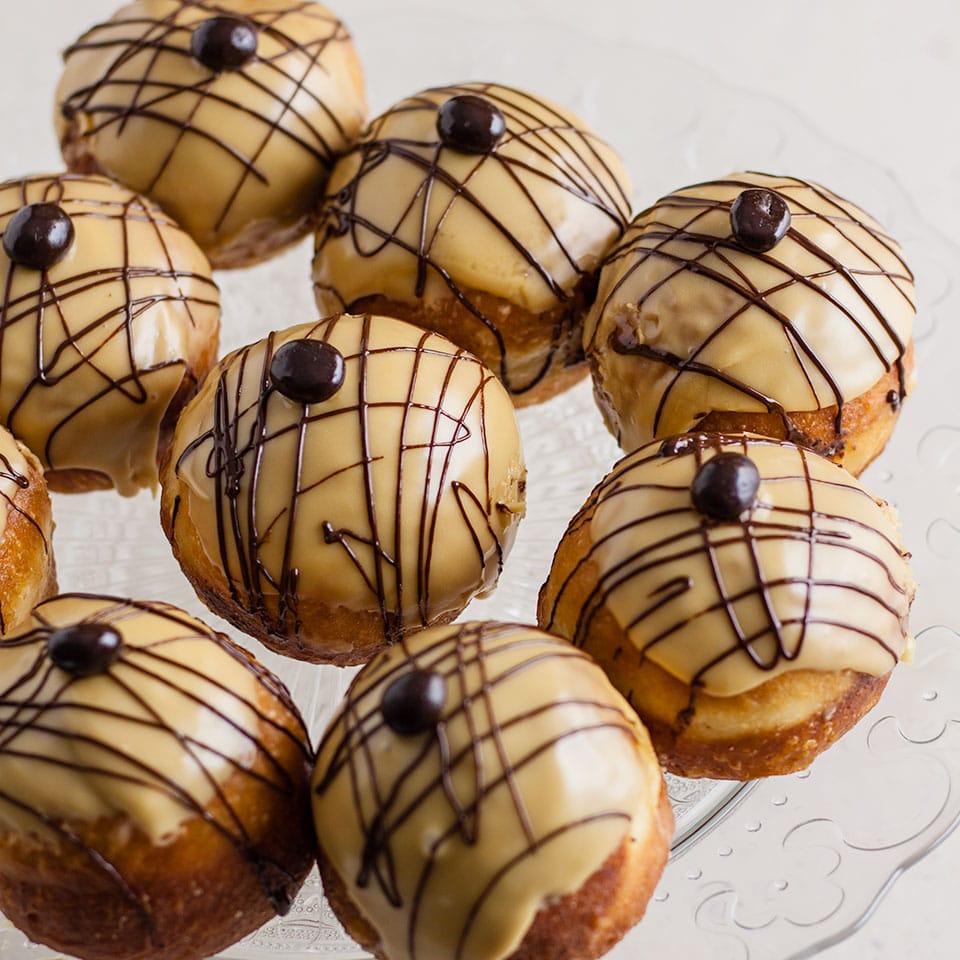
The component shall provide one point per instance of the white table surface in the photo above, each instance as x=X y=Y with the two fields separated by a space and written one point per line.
x=879 y=77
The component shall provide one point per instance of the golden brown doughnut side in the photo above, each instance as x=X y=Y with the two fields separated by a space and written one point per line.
x=776 y=728
x=154 y=901
x=545 y=366
x=348 y=636
x=582 y=925
x=866 y=422
x=28 y=572
x=588 y=923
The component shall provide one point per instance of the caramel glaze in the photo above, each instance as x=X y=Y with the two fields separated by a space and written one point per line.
x=679 y=242
x=94 y=348
x=543 y=151
x=283 y=101
x=822 y=570
x=297 y=517
x=472 y=793
x=139 y=667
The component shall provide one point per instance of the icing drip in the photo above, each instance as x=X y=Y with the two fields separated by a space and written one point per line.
x=529 y=779
x=809 y=323
x=154 y=737
x=811 y=576
x=93 y=348
x=525 y=219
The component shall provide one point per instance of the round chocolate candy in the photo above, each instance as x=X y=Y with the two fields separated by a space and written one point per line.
x=470 y=124
x=725 y=487
x=38 y=236
x=307 y=371
x=224 y=43
x=760 y=219
x=84 y=649
x=414 y=702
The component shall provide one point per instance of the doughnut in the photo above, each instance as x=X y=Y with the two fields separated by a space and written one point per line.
x=27 y=567
x=227 y=113
x=341 y=483
x=484 y=793
x=154 y=783
x=481 y=212
x=748 y=597
x=756 y=303
x=109 y=320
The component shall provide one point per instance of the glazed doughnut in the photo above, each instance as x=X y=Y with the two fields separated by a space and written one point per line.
x=755 y=303
x=109 y=320
x=481 y=212
x=338 y=484
x=483 y=793
x=154 y=800
x=748 y=597
x=228 y=113
x=27 y=567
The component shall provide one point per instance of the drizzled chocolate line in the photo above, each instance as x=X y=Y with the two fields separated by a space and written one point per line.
x=237 y=442
x=153 y=96
x=574 y=164
x=27 y=707
x=46 y=304
x=686 y=249
x=470 y=659
x=813 y=525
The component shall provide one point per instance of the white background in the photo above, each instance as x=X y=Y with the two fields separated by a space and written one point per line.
x=882 y=78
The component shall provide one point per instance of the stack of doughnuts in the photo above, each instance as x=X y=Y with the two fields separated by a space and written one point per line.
x=727 y=603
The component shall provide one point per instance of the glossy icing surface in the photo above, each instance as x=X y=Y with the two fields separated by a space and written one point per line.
x=811 y=322
x=811 y=576
x=398 y=494
x=527 y=220
x=533 y=773
x=153 y=738
x=235 y=153
x=93 y=348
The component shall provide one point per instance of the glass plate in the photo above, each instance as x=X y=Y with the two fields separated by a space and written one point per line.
x=775 y=870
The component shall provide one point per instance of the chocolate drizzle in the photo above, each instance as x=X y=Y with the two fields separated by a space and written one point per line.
x=541 y=154
x=681 y=238
x=83 y=323
x=37 y=698
x=383 y=526
x=762 y=618
x=285 y=88
x=473 y=772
